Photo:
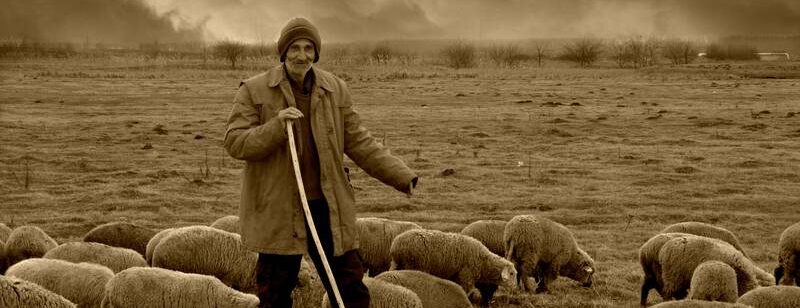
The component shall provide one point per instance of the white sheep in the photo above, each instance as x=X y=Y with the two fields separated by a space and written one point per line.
x=772 y=297
x=121 y=234
x=386 y=295
x=157 y=287
x=81 y=283
x=453 y=256
x=489 y=232
x=432 y=291
x=648 y=258
x=693 y=303
x=209 y=251
x=228 y=223
x=27 y=242
x=714 y=281
x=707 y=230
x=539 y=246
x=20 y=293
x=151 y=244
x=115 y=258
x=375 y=240
x=712 y=231
x=5 y=231
x=788 y=271
x=681 y=255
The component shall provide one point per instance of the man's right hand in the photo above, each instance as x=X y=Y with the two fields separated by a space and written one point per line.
x=290 y=113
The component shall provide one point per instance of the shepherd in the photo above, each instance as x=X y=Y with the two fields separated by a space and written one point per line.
x=319 y=106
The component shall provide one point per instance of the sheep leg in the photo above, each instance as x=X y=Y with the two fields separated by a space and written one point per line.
x=487 y=292
x=791 y=273
x=520 y=275
x=548 y=275
x=648 y=284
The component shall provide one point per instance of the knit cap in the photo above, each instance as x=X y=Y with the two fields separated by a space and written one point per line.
x=298 y=28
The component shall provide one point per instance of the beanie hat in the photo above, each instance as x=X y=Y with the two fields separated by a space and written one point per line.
x=298 y=28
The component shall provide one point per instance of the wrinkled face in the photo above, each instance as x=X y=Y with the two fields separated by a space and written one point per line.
x=299 y=58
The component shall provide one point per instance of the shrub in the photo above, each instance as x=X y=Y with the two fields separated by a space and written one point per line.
x=382 y=54
x=508 y=55
x=679 y=51
x=229 y=50
x=460 y=54
x=584 y=51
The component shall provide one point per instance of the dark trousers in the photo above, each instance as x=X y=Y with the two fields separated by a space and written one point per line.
x=276 y=275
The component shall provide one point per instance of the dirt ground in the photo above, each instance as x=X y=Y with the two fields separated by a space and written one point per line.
x=614 y=154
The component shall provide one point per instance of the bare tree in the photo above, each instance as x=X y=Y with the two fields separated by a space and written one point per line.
x=382 y=53
x=460 y=54
x=541 y=53
x=679 y=51
x=506 y=55
x=584 y=51
x=229 y=50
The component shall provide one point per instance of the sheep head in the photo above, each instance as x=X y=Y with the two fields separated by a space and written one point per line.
x=580 y=268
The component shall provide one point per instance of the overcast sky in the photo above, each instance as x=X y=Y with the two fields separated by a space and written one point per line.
x=348 y=20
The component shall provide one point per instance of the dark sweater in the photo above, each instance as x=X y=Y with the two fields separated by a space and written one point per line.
x=308 y=156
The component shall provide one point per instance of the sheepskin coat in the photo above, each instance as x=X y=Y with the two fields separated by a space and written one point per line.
x=270 y=211
x=81 y=283
x=386 y=295
x=434 y=292
x=209 y=251
x=20 y=293
x=115 y=258
x=714 y=281
x=157 y=287
x=680 y=256
x=27 y=242
x=490 y=233
x=541 y=247
x=453 y=256
x=121 y=234
x=376 y=236
x=789 y=255
x=772 y=297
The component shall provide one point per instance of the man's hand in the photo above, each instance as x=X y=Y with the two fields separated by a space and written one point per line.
x=290 y=113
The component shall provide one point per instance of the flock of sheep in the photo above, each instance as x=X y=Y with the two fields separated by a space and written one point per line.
x=119 y=264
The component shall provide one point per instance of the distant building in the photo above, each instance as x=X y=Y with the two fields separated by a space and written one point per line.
x=773 y=56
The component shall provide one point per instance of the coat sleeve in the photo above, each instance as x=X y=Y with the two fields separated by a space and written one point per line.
x=367 y=153
x=246 y=138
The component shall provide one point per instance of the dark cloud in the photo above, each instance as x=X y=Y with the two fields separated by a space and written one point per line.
x=126 y=22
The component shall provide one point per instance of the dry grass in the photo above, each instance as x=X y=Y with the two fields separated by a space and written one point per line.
x=614 y=154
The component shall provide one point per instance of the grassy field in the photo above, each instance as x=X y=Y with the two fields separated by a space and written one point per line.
x=614 y=154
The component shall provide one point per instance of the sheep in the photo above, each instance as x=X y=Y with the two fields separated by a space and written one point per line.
x=2 y=257
x=158 y=287
x=20 y=293
x=693 y=303
x=681 y=255
x=153 y=242
x=121 y=234
x=5 y=231
x=546 y=248
x=208 y=251
x=375 y=240
x=772 y=297
x=81 y=283
x=386 y=295
x=708 y=230
x=27 y=242
x=432 y=291
x=490 y=233
x=788 y=271
x=648 y=258
x=115 y=258
x=714 y=281
x=453 y=256
x=228 y=223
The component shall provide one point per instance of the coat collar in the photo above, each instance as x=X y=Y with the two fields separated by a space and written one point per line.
x=277 y=74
